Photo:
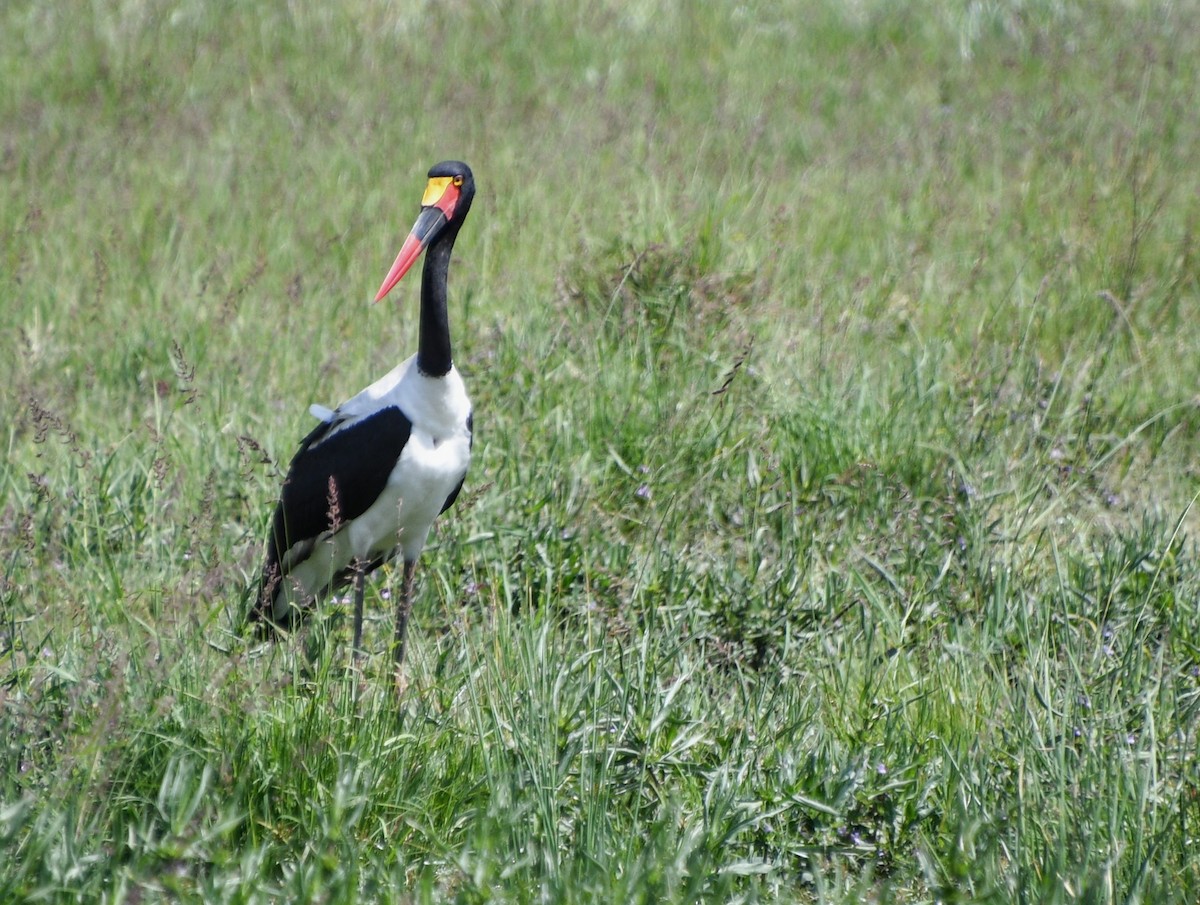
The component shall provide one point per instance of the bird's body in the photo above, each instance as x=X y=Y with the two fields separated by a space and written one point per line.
x=371 y=478
x=417 y=424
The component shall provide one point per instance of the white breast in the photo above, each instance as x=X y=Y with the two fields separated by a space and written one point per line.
x=433 y=463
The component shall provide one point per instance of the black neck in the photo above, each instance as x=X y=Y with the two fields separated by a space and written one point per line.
x=433 y=351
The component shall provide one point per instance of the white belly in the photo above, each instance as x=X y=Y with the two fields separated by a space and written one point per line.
x=425 y=476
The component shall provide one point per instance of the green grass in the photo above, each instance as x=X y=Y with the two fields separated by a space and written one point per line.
x=830 y=535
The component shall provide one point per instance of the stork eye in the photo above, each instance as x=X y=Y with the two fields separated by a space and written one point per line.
x=458 y=180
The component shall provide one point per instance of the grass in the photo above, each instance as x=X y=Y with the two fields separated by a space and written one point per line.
x=831 y=532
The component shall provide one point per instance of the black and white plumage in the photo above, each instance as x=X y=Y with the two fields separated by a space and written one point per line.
x=369 y=481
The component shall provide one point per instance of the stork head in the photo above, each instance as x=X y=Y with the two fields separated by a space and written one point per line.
x=444 y=206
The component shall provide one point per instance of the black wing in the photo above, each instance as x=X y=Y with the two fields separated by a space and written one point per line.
x=356 y=460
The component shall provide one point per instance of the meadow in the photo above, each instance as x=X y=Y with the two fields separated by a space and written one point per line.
x=831 y=529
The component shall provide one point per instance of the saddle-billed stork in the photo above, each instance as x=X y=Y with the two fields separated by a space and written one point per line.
x=369 y=481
